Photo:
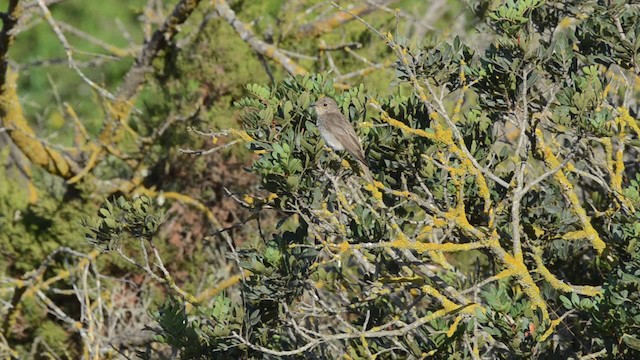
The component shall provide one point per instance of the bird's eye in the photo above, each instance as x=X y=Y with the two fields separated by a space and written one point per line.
x=324 y=105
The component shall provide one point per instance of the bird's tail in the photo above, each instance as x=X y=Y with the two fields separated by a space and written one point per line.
x=367 y=173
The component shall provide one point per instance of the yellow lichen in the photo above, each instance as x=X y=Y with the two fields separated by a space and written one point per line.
x=627 y=119
x=241 y=134
x=559 y=284
x=438 y=258
x=439 y=223
x=23 y=136
x=403 y=243
x=549 y=331
x=443 y=135
x=454 y=326
x=553 y=162
x=566 y=22
x=401 y=279
x=374 y=191
x=537 y=231
x=447 y=304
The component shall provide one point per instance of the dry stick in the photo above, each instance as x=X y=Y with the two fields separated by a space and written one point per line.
x=95 y=62
x=458 y=136
x=33 y=4
x=621 y=32
x=57 y=312
x=423 y=24
x=103 y=92
x=408 y=254
x=521 y=155
x=324 y=227
x=211 y=150
x=27 y=285
x=368 y=266
x=136 y=75
x=357 y=73
x=324 y=25
x=188 y=38
x=267 y=50
x=119 y=53
x=544 y=176
x=7 y=35
x=361 y=72
x=86 y=312
x=69 y=50
x=125 y=33
x=595 y=355
x=369 y=334
x=166 y=279
x=332 y=64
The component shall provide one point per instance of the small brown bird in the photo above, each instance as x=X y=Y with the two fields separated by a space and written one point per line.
x=338 y=133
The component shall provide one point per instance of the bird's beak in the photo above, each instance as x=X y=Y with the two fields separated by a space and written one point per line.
x=313 y=105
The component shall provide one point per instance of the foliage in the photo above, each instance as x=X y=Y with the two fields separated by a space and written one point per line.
x=200 y=339
x=123 y=220
x=434 y=156
x=30 y=232
x=503 y=222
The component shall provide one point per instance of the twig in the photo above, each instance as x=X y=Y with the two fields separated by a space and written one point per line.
x=595 y=355
x=405 y=329
x=616 y=20
x=69 y=50
x=6 y=38
x=327 y=24
x=211 y=150
x=267 y=50
x=547 y=174
x=521 y=156
x=159 y=40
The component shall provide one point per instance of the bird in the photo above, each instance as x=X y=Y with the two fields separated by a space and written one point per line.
x=338 y=133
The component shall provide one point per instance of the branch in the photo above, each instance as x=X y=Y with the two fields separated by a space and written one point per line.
x=374 y=333
x=69 y=50
x=267 y=50
x=521 y=164
x=325 y=25
x=44 y=156
x=6 y=37
x=159 y=41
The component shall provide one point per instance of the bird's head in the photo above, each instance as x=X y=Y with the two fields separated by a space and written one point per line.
x=326 y=105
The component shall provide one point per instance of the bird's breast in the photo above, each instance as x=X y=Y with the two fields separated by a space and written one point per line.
x=329 y=138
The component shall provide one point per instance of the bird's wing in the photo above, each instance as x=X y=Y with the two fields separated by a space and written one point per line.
x=342 y=128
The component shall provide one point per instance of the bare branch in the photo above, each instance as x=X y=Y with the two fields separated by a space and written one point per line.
x=159 y=40
x=325 y=25
x=267 y=50
x=69 y=50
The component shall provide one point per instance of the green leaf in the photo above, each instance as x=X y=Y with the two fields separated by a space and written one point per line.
x=631 y=341
x=566 y=302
